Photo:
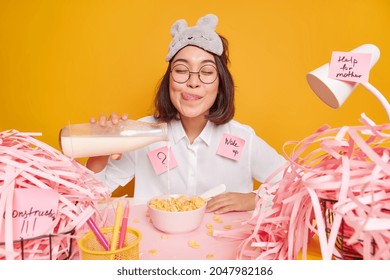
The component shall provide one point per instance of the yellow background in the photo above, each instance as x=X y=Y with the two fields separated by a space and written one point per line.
x=65 y=61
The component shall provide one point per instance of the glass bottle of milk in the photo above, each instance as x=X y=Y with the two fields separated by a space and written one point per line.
x=89 y=140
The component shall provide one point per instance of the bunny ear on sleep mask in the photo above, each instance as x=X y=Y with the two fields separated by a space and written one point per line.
x=202 y=35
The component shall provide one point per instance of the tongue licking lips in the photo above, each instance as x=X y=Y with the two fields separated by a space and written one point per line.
x=189 y=97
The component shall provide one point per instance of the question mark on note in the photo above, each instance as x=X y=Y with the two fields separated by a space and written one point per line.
x=162 y=159
x=162 y=156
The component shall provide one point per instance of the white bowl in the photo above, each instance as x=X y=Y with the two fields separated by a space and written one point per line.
x=176 y=222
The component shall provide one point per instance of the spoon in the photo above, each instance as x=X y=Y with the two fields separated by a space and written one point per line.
x=213 y=191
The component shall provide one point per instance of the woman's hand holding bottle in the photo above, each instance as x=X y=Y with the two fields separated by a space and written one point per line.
x=98 y=163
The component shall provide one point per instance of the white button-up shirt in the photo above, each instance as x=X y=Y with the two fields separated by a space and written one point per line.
x=199 y=167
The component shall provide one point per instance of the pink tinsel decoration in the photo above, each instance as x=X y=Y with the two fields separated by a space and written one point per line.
x=336 y=182
x=28 y=163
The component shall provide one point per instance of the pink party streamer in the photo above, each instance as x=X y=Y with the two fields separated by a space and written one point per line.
x=336 y=185
x=28 y=163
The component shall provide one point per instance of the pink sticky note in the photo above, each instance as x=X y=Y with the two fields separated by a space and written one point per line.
x=161 y=160
x=231 y=147
x=349 y=66
x=33 y=213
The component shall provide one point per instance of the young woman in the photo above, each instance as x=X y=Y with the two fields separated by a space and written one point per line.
x=207 y=147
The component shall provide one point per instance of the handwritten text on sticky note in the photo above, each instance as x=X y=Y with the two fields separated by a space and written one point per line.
x=231 y=147
x=162 y=159
x=33 y=213
x=349 y=66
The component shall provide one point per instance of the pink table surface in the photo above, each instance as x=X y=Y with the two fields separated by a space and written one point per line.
x=157 y=245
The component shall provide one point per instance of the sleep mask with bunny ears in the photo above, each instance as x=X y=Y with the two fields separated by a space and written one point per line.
x=202 y=35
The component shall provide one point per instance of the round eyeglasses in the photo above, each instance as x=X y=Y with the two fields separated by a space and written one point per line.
x=207 y=73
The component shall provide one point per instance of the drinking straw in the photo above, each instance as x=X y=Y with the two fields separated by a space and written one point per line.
x=117 y=223
x=122 y=235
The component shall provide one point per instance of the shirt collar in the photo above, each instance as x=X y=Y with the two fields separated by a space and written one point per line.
x=207 y=132
x=178 y=132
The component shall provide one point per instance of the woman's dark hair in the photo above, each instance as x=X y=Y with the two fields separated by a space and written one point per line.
x=222 y=110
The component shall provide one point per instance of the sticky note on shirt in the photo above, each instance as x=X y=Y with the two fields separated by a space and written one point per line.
x=231 y=147
x=162 y=159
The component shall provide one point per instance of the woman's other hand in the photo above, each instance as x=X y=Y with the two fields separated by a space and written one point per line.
x=231 y=201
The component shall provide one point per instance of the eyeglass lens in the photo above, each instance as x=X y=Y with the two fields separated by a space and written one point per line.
x=207 y=73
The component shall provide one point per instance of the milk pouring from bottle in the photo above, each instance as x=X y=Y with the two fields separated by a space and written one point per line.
x=89 y=140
